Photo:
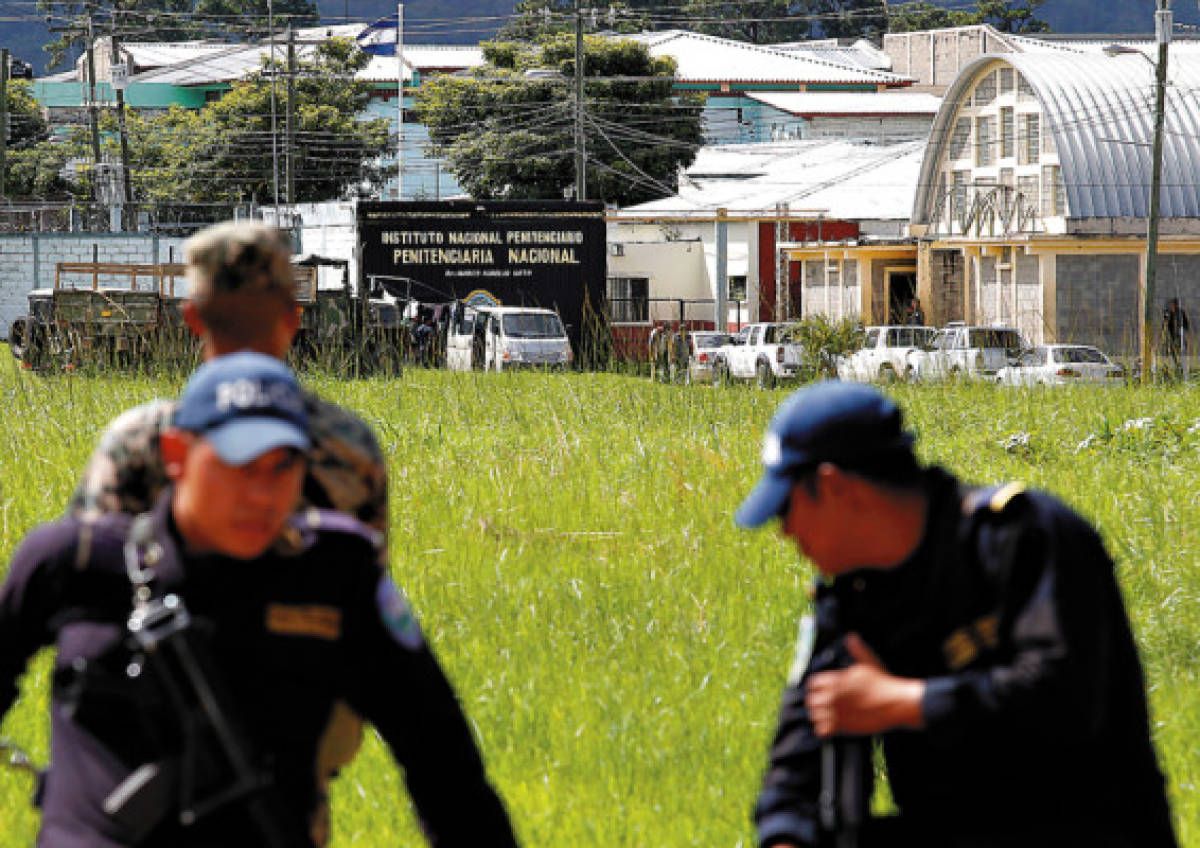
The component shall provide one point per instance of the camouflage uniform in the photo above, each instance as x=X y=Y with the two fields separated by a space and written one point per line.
x=345 y=466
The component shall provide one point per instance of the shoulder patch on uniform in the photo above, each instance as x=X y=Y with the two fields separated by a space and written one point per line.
x=315 y=620
x=1004 y=495
x=994 y=499
x=397 y=615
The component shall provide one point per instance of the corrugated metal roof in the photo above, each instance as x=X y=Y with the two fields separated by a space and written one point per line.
x=860 y=54
x=1099 y=110
x=849 y=103
x=838 y=179
x=706 y=58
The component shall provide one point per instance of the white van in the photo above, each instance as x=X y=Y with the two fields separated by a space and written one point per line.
x=499 y=338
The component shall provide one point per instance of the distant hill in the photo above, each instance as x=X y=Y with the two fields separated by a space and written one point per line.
x=467 y=21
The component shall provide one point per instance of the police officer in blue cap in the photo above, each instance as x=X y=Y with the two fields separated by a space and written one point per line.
x=979 y=634
x=213 y=652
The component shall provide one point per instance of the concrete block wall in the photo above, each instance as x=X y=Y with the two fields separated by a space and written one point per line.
x=27 y=261
x=1097 y=301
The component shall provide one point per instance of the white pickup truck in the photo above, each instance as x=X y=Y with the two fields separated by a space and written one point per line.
x=885 y=354
x=764 y=353
x=962 y=352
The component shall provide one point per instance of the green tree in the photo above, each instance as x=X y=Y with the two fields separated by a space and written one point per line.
x=224 y=152
x=851 y=18
x=914 y=17
x=1016 y=16
x=165 y=20
x=507 y=129
x=32 y=164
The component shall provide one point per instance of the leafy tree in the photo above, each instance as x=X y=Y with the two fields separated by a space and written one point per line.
x=224 y=152
x=165 y=20
x=32 y=163
x=507 y=129
x=1016 y=16
x=851 y=18
x=913 y=17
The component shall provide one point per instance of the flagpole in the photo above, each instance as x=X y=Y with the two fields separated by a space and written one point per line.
x=400 y=98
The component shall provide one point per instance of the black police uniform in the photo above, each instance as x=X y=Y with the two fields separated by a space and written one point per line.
x=293 y=635
x=1036 y=722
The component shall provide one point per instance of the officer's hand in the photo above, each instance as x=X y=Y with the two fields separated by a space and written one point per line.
x=862 y=699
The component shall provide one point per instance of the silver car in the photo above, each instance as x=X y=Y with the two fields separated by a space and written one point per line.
x=1061 y=365
x=702 y=348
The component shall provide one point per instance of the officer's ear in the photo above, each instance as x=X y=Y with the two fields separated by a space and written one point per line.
x=174 y=445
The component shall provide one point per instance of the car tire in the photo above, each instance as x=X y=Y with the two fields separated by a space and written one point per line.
x=763 y=377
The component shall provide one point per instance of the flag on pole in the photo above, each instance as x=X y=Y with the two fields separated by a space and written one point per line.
x=379 y=38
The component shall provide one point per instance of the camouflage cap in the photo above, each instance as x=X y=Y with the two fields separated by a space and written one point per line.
x=239 y=256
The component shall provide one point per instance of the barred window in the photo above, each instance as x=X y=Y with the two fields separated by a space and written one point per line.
x=1008 y=132
x=958 y=196
x=985 y=153
x=1028 y=187
x=1054 y=200
x=1030 y=141
x=985 y=91
x=629 y=299
x=961 y=140
x=1006 y=80
x=1024 y=89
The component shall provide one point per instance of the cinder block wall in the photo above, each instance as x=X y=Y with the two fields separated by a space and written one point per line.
x=1098 y=301
x=27 y=261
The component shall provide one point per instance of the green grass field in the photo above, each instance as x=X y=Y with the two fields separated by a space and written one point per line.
x=618 y=644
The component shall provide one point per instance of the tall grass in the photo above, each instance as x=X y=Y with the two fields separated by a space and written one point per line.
x=618 y=645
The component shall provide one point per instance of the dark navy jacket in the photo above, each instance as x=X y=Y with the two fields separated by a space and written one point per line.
x=297 y=638
x=1036 y=722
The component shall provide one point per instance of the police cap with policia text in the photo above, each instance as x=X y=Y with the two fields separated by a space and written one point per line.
x=847 y=424
x=244 y=405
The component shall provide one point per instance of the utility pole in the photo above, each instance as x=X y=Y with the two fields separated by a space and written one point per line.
x=290 y=118
x=93 y=120
x=721 y=319
x=400 y=101
x=580 y=150
x=1163 y=26
x=274 y=108
x=3 y=117
x=126 y=174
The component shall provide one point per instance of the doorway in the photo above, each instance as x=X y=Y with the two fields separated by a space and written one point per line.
x=901 y=289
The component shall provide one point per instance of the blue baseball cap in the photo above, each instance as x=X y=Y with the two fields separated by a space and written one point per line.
x=244 y=405
x=826 y=422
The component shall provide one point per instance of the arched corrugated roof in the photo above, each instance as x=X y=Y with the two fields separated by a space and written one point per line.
x=1099 y=111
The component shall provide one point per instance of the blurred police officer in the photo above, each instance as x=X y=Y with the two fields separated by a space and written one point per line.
x=279 y=638
x=980 y=633
x=241 y=297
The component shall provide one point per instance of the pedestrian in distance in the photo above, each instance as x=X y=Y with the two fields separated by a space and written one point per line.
x=979 y=634
x=655 y=345
x=914 y=314
x=241 y=297
x=1176 y=328
x=203 y=673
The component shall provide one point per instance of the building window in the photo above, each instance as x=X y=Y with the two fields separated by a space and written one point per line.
x=961 y=140
x=1028 y=186
x=1030 y=140
x=1024 y=89
x=1054 y=201
x=629 y=299
x=1006 y=80
x=737 y=288
x=985 y=154
x=1007 y=177
x=212 y=96
x=1008 y=132
x=958 y=196
x=985 y=91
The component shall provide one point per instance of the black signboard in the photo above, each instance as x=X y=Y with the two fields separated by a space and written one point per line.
x=507 y=253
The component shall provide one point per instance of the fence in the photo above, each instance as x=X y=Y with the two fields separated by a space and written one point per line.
x=632 y=319
x=80 y=217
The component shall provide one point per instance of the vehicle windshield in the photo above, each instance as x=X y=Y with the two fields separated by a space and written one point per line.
x=532 y=325
x=1078 y=354
x=706 y=341
x=909 y=336
x=1009 y=340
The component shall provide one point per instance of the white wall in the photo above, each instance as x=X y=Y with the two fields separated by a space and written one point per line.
x=27 y=261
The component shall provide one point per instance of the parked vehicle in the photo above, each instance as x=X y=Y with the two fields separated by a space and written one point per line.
x=765 y=353
x=885 y=353
x=959 y=352
x=501 y=338
x=1061 y=365
x=702 y=353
